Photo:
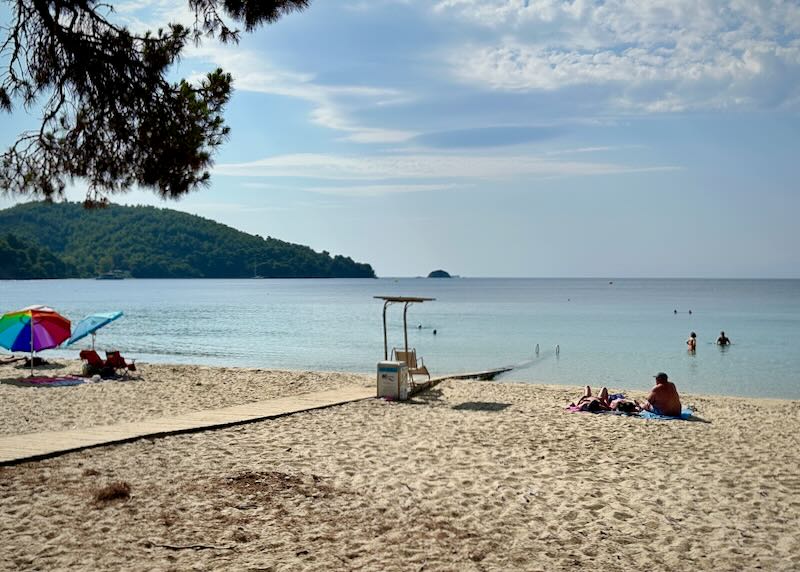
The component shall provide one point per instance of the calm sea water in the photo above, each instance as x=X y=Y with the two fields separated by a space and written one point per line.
x=617 y=334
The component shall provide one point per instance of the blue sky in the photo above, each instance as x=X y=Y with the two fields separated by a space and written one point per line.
x=509 y=137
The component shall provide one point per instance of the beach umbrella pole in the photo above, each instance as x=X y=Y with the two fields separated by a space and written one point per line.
x=32 y=344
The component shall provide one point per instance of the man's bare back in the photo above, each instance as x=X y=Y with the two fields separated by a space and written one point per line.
x=664 y=398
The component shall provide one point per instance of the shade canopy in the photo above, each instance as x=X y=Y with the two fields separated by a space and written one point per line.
x=90 y=324
x=33 y=329
x=409 y=299
x=406 y=301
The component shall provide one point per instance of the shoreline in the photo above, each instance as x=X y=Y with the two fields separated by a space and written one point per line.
x=470 y=475
x=157 y=390
x=58 y=365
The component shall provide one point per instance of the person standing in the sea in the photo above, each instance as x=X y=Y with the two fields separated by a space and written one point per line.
x=691 y=342
x=723 y=340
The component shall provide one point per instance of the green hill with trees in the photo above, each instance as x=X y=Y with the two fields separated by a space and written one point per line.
x=66 y=240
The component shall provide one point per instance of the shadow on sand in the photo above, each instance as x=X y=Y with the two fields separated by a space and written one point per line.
x=481 y=406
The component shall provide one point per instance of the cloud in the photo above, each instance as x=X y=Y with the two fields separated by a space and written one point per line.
x=424 y=166
x=356 y=190
x=333 y=105
x=253 y=73
x=377 y=190
x=656 y=55
x=143 y=15
x=599 y=149
x=487 y=136
x=215 y=209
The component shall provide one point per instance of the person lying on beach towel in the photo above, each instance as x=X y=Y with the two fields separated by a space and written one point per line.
x=605 y=402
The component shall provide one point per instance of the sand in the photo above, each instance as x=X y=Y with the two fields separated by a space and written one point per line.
x=152 y=391
x=467 y=476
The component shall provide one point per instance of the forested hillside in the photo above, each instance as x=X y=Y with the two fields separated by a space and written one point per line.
x=24 y=261
x=64 y=240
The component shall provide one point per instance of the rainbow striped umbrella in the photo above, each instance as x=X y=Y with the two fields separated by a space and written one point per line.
x=33 y=329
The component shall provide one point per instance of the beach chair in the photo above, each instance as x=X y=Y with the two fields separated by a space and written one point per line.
x=95 y=365
x=416 y=365
x=117 y=363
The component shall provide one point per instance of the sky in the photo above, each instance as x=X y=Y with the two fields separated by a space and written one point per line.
x=509 y=138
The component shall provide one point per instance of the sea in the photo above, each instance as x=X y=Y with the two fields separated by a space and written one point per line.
x=617 y=332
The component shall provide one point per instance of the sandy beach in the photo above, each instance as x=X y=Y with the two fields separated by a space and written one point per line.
x=467 y=476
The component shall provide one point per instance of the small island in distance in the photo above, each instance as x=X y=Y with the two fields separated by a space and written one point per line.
x=439 y=274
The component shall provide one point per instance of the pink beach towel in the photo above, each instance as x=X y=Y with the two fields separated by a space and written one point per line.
x=48 y=381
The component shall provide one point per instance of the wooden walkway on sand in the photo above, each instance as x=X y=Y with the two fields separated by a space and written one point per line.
x=32 y=446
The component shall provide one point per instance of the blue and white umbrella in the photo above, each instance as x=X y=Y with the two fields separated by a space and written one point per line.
x=90 y=324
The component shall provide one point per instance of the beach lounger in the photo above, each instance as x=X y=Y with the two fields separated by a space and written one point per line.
x=95 y=365
x=416 y=366
x=117 y=363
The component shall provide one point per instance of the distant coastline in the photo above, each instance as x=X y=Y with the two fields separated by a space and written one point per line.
x=148 y=242
x=111 y=275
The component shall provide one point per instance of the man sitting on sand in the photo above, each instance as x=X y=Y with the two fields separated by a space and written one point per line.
x=663 y=398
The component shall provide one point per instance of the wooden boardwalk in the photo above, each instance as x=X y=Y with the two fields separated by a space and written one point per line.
x=485 y=375
x=32 y=446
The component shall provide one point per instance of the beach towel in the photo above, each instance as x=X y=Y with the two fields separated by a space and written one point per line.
x=59 y=381
x=686 y=413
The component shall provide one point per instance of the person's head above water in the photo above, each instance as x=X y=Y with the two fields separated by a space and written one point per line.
x=722 y=334
x=692 y=335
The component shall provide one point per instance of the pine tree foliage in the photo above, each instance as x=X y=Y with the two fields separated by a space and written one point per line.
x=110 y=116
